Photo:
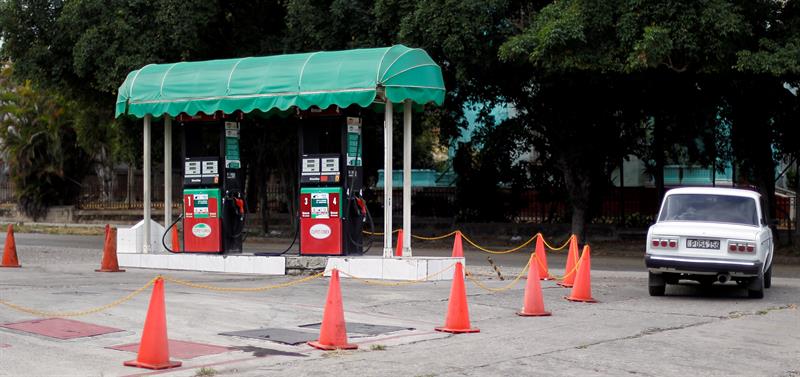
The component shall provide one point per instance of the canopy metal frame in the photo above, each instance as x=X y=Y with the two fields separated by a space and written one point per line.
x=417 y=78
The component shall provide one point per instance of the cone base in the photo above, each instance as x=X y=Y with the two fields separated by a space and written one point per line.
x=457 y=331
x=540 y=314
x=166 y=365
x=108 y=270
x=546 y=278
x=17 y=266
x=327 y=347
x=580 y=299
x=565 y=285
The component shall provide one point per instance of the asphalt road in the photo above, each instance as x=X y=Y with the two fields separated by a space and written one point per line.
x=691 y=331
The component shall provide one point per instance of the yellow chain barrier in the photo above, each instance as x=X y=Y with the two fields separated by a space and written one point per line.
x=505 y=288
x=570 y=272
x=396 y=283
x=245 y=289
x=186 y=283
x=98 y=309
x=434 y=238
x=560 y=247
x=481 y=248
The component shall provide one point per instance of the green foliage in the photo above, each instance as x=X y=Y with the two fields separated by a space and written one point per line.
x=778 y=50
x=46 y=164
x=593 y=81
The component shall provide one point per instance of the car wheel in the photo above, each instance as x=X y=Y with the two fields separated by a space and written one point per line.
x=756 y=287
x=656 y=284
x=768 y=277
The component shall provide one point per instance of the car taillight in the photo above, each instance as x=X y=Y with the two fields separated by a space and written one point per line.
x=742 y=247
x=665 y=243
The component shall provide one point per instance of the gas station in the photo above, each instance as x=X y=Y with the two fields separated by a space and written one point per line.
x=326 y=92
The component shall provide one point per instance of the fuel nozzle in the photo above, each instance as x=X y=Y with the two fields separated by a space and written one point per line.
x=362 y=206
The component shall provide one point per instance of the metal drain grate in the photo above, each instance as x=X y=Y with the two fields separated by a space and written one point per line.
x=285 y=336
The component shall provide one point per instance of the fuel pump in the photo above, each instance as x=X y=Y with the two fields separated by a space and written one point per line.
x=213 y=200
x=332 y=209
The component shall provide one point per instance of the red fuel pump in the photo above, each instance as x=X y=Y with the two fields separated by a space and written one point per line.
x=213 y=205
x=331 y=218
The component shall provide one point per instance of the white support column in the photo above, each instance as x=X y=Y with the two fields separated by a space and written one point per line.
x=407 y=178
x=387 y=181
x=167 y=171
x=146 y=179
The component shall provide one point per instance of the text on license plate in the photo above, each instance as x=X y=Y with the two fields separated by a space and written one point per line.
x=702 y=244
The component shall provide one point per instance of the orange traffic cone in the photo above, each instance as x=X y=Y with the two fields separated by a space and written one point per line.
x=10 y=250
x=399 y=251
x=109 y=262
x=541 y=256
x=582 y=291
x=457 y=320
x=572 y=258
x=458 y=248
x=154 y=347
x=176 y=243
x=533 y=304
x=333 y=332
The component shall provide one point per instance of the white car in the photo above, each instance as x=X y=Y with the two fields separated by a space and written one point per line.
x=710 y=235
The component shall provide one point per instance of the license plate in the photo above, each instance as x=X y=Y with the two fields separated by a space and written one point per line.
x=702 y=244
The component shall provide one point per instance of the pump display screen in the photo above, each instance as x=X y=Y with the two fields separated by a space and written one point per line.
x=201 y=171
x=320 y=168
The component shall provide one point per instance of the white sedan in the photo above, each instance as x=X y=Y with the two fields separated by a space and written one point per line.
x=710 y=235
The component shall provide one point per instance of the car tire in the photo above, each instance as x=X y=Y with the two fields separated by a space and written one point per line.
x=656 y=284
x=756 y=287
x=768 y=277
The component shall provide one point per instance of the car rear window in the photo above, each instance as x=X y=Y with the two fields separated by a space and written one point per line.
x=707 y=207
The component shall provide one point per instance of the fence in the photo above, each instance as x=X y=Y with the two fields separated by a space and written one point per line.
x=629 y=206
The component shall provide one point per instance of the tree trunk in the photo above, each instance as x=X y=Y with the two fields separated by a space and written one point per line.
x=579 y=223
x=578 y=182
x=622 y=191
x=658 y=151
x=105 y=174
x=263 y=200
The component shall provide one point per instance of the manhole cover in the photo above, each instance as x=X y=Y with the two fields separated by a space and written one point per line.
x=60 y=328
x=363 y=328
x=179 y=349
x=285 y=336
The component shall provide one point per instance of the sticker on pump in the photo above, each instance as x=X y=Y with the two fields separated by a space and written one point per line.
x=320 y=231
x=201 y=230
x=319 y=205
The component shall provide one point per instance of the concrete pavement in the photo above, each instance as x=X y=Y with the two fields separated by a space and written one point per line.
x=691 y=331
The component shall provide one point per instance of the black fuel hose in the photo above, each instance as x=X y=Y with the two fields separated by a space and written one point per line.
x=166 y=231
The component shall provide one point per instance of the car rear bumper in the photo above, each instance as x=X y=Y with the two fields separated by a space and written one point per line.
x=702 y=265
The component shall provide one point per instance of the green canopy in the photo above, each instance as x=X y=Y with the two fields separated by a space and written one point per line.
x=280 y=82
